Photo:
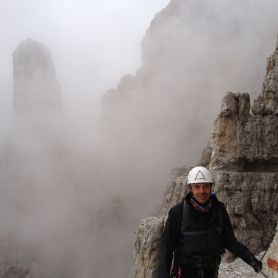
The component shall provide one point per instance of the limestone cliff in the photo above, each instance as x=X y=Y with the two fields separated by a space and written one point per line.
x=246 y=140
x=242 y=153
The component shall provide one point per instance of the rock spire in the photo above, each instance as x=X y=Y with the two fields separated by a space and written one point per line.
x=35 y=84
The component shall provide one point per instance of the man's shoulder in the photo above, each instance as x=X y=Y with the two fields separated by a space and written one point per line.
x=218 y=204
x=177 y=209
x=216 y=200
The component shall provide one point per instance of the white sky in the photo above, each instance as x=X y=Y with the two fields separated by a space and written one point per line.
x=93 y=42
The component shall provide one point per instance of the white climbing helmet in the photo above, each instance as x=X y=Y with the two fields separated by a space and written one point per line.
x=199 y=174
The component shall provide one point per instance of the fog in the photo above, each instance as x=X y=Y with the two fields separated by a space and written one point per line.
x=79 y=172
x=86 y=38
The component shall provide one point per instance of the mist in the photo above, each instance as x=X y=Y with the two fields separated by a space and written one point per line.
x=86 y=38
x=81 y=166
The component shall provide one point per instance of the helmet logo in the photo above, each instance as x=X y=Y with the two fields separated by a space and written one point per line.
x=200 y=176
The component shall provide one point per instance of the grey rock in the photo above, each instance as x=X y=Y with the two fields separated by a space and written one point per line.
x=271 y=258
x=237 y=269
x=250 y=199
x=243 y=141
x=146 y=247
x=270 y=86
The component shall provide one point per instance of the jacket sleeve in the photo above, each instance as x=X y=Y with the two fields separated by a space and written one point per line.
x=230 y=241
x=167 y=245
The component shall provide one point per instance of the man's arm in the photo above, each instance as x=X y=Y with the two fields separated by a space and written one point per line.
x=168 y=244
x=233 y=245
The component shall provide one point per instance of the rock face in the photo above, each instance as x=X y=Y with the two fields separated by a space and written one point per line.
x=146 y=247
x=171 y=101
x=237 y=269
x=35 y=84
x=271 y=258
x=242 y=153
x=246 y=140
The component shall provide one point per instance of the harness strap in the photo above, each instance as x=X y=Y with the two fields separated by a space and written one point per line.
x=199 y=232
x=201 y=273
x=220 y=219
x=185 y=215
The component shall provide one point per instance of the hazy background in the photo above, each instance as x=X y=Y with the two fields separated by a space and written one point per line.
x=93 y=43
x=49 y=188
x=74 y=184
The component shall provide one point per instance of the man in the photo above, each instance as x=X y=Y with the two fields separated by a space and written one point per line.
x=197 y=232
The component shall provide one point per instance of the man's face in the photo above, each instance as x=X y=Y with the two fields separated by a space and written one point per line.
x=201 y=191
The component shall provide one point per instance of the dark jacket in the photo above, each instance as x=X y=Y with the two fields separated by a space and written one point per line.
x=172 y=236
